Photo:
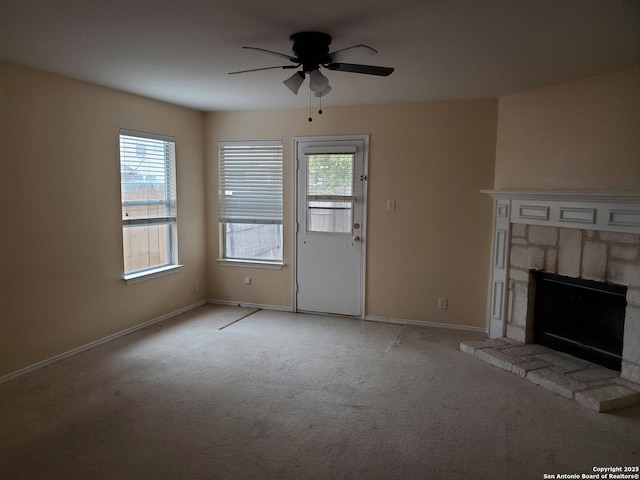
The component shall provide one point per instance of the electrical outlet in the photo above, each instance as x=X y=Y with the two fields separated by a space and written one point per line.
x=442 y=303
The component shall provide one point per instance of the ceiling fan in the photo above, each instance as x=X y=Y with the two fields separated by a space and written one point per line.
x=310 y=52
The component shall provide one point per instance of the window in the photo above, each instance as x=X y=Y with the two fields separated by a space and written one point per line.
x=250 y=199
x=148 y=189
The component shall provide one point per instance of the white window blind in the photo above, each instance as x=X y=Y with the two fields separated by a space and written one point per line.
x=147 y=175
x=250 y=182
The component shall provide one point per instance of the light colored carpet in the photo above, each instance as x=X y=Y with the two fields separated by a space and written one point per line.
x=286 y=396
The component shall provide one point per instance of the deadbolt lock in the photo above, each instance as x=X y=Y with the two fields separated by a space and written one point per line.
x=356 y=226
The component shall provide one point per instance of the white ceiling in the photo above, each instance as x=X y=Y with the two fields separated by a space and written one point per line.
x=181 y=51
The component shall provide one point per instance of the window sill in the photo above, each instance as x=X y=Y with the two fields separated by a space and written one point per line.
x=149 y=274
x=250 y=263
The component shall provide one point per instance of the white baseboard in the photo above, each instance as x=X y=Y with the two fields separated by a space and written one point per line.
x=88 y=346
x=400 y=321
x=277 y=308
x=370 y=318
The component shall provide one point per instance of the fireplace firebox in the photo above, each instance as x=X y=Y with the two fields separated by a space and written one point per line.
x=580 y=317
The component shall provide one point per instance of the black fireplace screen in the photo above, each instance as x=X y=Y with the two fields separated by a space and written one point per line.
x=580 y=317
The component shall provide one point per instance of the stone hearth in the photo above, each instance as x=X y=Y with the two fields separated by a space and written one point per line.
x=590 y=385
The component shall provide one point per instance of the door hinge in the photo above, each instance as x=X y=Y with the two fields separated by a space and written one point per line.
x=363 y=178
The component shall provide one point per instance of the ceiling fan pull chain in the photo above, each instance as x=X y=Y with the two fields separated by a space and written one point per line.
x=310 y=118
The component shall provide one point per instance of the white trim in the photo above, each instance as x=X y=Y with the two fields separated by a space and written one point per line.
x=602 y=211
x=294 y=219
x=424 y=323
x=253 y=143
x=573 y=196
x=329 y=314
x=141 y=222
x=227 y=262
x=151 y=136
x=136 y=277
x=368 y=318
x=365 y=222
x=96 y=343
x=320 y=150
x=231 y=303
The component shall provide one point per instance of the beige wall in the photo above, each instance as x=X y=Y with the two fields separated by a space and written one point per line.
x=433 y=159
x=61 y=262
x=61 y=243
x=583 y=135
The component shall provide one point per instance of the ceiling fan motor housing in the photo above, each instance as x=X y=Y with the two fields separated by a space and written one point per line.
x=311 y=49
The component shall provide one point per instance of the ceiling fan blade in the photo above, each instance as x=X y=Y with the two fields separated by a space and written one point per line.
x=366 y=69
x=349 y=53
x=269 y=52
x=284 y=67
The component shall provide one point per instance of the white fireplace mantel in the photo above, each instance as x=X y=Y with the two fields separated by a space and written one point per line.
x=598 y=211
x=572 y=195
x=603 y=211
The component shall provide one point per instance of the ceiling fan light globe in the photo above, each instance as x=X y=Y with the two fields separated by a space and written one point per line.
x=318 y=82
x=294 y=82
x=323 y=93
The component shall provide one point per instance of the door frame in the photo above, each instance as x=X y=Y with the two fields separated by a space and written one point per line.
x=365 y=169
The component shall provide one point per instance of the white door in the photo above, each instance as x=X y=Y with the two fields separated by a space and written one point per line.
x=330 y=239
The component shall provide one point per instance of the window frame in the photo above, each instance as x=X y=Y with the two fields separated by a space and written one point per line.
x=169 y=202
x=227 y=214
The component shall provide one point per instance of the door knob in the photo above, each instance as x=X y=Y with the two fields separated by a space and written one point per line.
x=356 y=238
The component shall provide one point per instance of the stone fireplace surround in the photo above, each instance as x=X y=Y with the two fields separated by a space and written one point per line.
x=601 y=256
x=589 y=235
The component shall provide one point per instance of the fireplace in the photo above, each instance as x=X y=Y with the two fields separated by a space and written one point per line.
x=583 y=237
x=580 y=317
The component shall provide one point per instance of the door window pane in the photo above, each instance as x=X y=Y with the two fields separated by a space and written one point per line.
x=329 y=217
x=330 y=193
x=330 y=174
